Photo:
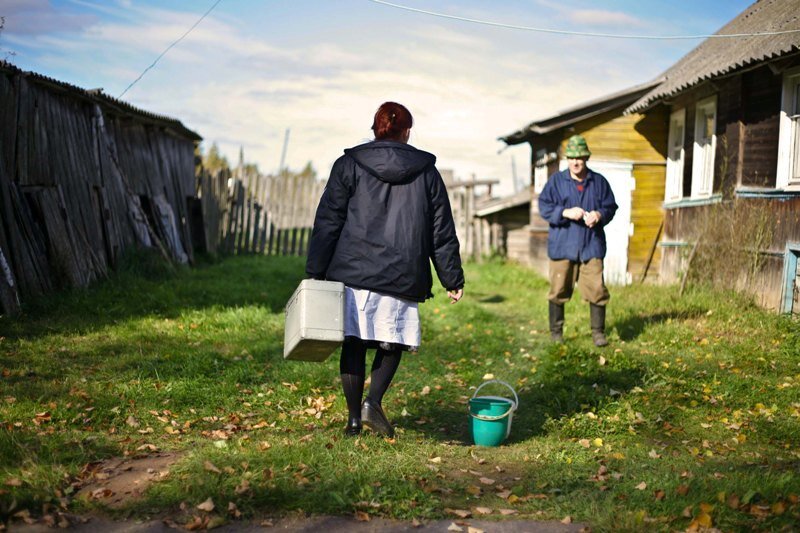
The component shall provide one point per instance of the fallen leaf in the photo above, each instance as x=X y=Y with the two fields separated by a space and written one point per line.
x=416 y=523
x=243 y=487
x=601 y=361
x=506 y=512
x=436 y=460
x=732 y=501
x=486 y=481
x=598 y=442
x=483 y=510
x=208 y=465
x=585 y=443
x=641 y=486
x=207 y=505
x=566 y=520
x=659 y=494
x=425 y=390
x=487 y=377
x=471 y=529
x=13 y=482
x=683 y=490
x=461 y=513
x=453 y=527
x=361 y=516
x=473 y=489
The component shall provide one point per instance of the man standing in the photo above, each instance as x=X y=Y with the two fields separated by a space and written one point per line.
x=577 y=203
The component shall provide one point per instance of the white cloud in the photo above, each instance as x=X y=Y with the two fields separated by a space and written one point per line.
x=603 y=17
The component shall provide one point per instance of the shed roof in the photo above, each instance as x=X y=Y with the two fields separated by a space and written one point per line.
x=109 y=102
x=574 y=114
x=495 y=205
x=716 y=57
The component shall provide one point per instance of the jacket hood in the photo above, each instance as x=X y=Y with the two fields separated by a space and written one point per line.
x=391 y=161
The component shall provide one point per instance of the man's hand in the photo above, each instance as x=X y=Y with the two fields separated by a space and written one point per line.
x=573 y=213
x=591 y=218
x=456 y=295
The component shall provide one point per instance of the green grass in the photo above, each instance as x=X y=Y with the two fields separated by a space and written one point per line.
x=692 y=412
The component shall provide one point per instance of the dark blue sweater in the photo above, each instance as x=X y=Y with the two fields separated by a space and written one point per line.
x=570 y=239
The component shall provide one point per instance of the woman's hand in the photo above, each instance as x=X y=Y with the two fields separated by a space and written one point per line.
x=455 y=295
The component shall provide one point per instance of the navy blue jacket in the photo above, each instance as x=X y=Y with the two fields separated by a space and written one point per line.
x=383 y=218
x=570 y=239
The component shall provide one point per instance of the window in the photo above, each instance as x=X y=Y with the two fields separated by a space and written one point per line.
x=789 y=143
x=705 y=144
x=675 y=152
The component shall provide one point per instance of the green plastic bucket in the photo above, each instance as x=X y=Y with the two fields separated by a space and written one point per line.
x=490 y=416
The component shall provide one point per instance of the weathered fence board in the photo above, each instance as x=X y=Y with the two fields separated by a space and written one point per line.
x=250 y=213
x=84 y=177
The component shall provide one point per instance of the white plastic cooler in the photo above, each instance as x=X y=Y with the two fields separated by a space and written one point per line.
x=314 y=325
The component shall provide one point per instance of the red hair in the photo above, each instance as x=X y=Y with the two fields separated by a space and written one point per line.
x=391 y=120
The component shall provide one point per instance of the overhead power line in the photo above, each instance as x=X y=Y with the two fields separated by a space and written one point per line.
x=580 y=33
x=168 y=48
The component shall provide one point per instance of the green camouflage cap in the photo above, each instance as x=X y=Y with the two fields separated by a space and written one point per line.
x=577 y=147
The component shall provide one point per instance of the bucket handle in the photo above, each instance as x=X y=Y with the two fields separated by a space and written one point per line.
x=516 y=398
x=490 y=418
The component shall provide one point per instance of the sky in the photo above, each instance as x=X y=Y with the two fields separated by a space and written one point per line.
x=253 y=69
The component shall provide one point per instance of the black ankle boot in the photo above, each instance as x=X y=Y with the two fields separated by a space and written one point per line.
x=373 y=417
x=597 y=315
x=556 y=315
x=353 y=427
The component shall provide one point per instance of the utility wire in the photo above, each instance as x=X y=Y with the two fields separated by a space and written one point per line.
x=580 y=33
x=167 y=49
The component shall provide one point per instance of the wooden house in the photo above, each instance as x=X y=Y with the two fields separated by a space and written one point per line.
x=629 y=150
x=733 y=156
x=84 y=178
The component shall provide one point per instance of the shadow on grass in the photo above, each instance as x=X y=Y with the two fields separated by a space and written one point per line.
x=266 y=281
x=572 y=391
x=630 y=327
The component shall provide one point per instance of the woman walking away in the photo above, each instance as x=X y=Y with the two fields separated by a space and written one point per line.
x=383 y=218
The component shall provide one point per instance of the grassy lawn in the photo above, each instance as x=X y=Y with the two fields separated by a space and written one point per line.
x=691 y=417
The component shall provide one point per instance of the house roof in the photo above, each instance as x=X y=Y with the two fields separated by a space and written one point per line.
x=496 y=205
x=580 y=112
x=716 y=57
x=109 y=102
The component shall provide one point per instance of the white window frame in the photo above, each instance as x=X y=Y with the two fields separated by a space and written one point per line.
x=788 y=175
x=673 y=189
x=703 y=154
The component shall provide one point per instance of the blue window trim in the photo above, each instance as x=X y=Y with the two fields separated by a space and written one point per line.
x=770 y=194
x=694 y=202
x=790 y=260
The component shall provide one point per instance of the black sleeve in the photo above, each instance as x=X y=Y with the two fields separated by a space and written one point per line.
x=445 y=254
x=329 y=220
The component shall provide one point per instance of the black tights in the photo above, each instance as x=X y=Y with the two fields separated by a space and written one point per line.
x=352 y=368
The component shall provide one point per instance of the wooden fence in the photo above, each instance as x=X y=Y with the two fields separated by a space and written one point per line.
x=476 y=236
x=250 y=213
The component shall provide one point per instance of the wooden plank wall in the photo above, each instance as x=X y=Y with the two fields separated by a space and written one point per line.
x=75 y=172
x=250 y=213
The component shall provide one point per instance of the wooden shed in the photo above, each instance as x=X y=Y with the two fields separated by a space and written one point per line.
x=733 y=168
x=83 y=178
x=629 y=150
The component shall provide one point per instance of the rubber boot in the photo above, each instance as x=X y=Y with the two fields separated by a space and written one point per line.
x=556 y=312
x=598 y=317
